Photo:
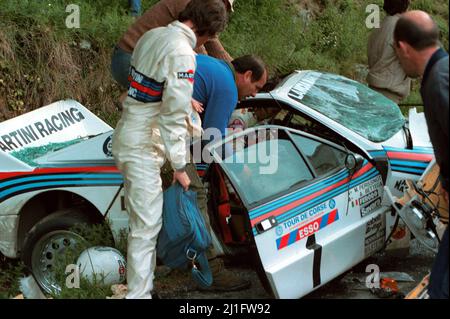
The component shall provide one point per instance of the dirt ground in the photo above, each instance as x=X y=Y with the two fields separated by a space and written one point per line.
x=416 y=264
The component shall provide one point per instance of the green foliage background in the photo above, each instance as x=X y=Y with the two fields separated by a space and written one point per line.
x=42 y=61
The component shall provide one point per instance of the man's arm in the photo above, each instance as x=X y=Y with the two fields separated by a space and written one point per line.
x=216 y=49
x=436 y=100
x=443 y=120
x=175 y=107
x=443 y=108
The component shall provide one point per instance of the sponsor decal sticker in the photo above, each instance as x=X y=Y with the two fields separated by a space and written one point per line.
x=400 y=185
x=370 y=207
x=300 y=219
x=41 y=129
x=189 y=75
x=307 y=229
x=368 y=198
x=332 y=203
x=375 y=235
x=107 y=146
x=367 y=195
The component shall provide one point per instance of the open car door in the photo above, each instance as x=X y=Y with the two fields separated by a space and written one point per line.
x=311 y=217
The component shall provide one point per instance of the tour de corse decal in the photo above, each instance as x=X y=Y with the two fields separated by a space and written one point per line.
x=301 y=226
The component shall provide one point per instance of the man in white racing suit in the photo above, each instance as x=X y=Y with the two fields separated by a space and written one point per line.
x=159 y=97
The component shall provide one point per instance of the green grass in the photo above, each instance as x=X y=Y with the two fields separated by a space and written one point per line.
x=95 y=235
x=286 y=40
x=41 y=60
x=10 y=273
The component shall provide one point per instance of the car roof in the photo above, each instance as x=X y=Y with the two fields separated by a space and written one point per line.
x=294 y=89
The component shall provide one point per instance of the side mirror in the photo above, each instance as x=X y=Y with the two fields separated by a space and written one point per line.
x=353 y=162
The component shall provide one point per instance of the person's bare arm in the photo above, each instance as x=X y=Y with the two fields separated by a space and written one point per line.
x=216 y=49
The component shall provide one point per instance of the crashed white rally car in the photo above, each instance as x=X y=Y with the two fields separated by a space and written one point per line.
x=315 y=216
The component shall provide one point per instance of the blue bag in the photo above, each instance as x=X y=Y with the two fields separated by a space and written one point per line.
x=184 y=238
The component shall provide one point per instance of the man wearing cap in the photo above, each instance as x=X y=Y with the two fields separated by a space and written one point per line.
x=159 y=15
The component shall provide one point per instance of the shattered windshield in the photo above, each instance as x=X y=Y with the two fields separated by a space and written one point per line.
x=349 y=103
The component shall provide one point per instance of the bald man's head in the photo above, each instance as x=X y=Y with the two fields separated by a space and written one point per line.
x=416 y=37
x=417 y=29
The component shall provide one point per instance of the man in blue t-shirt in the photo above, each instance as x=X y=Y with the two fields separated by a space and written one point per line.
x=219 y=85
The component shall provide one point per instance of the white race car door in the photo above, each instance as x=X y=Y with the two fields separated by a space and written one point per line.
x=296 y=189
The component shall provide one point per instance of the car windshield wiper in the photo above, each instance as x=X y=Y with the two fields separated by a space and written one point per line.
x=409 y=140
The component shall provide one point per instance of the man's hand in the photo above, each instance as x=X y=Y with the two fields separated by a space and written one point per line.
x=182 y=178
x=197 y=106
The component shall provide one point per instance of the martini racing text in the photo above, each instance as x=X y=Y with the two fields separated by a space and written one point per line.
x=40 y=129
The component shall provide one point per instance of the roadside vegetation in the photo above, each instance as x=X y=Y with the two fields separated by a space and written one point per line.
x=95 y=235
x=43 y=61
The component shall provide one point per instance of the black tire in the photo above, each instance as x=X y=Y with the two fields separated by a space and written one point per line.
x=45 y=242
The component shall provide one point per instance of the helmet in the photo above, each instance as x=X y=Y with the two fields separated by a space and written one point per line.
x=102 y=264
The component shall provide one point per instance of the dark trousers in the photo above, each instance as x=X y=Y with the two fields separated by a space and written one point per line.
x=438 y=286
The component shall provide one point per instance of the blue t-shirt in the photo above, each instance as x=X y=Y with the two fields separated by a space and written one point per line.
x=215 y=87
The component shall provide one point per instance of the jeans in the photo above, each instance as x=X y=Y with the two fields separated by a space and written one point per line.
x=120 y=66
x=438 y=286
x=135 y=7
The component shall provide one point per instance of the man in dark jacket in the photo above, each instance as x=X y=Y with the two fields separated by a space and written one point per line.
x=416 y=38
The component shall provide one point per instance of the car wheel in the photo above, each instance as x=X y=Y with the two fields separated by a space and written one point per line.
x=48 y=240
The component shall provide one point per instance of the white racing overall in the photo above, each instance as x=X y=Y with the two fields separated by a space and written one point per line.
x=159 y=97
